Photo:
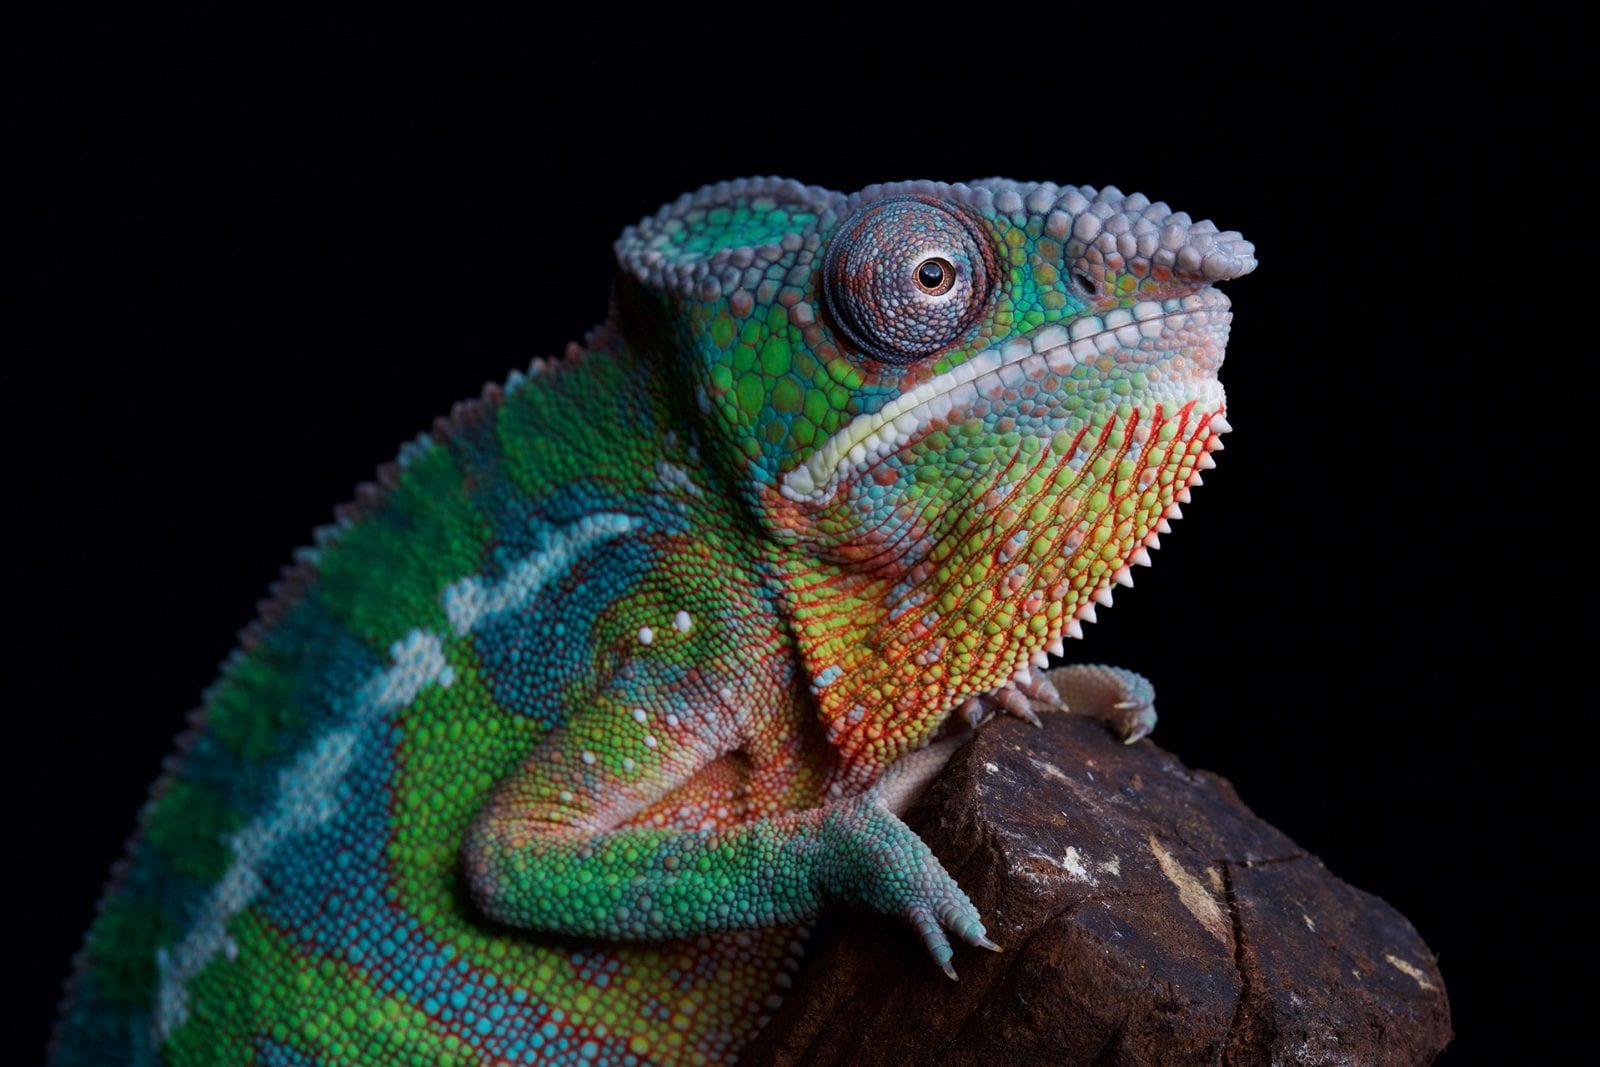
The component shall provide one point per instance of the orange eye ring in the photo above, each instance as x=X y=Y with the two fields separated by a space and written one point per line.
x=935 y=275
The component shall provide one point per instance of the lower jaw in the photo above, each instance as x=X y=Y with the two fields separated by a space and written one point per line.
x=906 y=671
x=1050 y=585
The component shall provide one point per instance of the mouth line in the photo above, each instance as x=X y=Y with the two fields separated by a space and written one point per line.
x=1060 y=348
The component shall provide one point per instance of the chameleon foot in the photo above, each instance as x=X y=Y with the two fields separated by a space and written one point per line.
x=1122 y=699
x=1016 y=698
x=879 y=862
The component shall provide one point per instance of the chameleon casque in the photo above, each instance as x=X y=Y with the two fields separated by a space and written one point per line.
x=553 y=742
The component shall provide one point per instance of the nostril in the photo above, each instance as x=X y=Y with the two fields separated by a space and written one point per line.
x=1086 y=285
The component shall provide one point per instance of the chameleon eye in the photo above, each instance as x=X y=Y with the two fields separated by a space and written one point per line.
x=907 y=277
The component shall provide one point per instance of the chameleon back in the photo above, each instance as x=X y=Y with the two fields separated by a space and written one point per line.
x=293 y=895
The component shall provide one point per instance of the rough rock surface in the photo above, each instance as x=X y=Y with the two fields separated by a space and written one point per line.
x=1147 y=917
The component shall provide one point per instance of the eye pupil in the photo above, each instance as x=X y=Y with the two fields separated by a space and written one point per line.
x=935 y=276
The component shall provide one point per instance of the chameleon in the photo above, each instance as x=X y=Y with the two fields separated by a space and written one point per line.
x=550 y=747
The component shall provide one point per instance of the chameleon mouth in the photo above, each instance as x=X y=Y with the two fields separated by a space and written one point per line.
x=1196 y=325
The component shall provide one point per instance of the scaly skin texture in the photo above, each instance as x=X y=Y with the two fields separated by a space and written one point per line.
x=548 y=748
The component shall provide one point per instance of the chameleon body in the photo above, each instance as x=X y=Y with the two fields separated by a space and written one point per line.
x=549 y=747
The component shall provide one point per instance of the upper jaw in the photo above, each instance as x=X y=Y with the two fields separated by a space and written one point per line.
x=1195 y=324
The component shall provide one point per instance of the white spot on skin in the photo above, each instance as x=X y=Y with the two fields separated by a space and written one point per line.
x=682 y=622
x=639 y=715
x=1192 y=894
x=627 y=763
x=565 y=796
x=646 y=635
x=1410 y=970
x=649 y=741
x=588 y=757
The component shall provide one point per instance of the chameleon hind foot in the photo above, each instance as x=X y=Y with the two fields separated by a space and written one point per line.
x=879 y=862
x=1122 y=699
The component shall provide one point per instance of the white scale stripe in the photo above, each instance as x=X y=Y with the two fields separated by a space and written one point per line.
x=470 y=601
x=815 y=480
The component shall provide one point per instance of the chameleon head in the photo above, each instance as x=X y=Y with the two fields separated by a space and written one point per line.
x=977 y=403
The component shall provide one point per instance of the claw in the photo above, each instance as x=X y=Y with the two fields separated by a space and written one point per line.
x=883 y=864
x=1140 y=727
x=984 y=942
x=1014 y=703
x=1039 y=689
x=932 y=934
x=1016 y=698
x=1137 y=726
x=1027 y=716
x=1122 y=699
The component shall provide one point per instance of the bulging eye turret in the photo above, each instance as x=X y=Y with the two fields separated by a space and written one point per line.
x=908 y=277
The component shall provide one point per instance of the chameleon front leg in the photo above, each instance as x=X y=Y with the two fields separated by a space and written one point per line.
x=553 y=849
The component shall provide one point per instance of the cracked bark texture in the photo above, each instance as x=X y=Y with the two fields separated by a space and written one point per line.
x=1147 y=917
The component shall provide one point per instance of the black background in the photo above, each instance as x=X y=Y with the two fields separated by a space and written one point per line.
x=256 y=258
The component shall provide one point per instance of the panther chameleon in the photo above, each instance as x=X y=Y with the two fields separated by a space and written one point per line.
x=555 y=740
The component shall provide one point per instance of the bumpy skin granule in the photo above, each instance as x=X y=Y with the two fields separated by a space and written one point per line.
x=549 y=746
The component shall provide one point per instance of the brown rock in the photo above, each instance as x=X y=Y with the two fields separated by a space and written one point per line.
x=1147 y=917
